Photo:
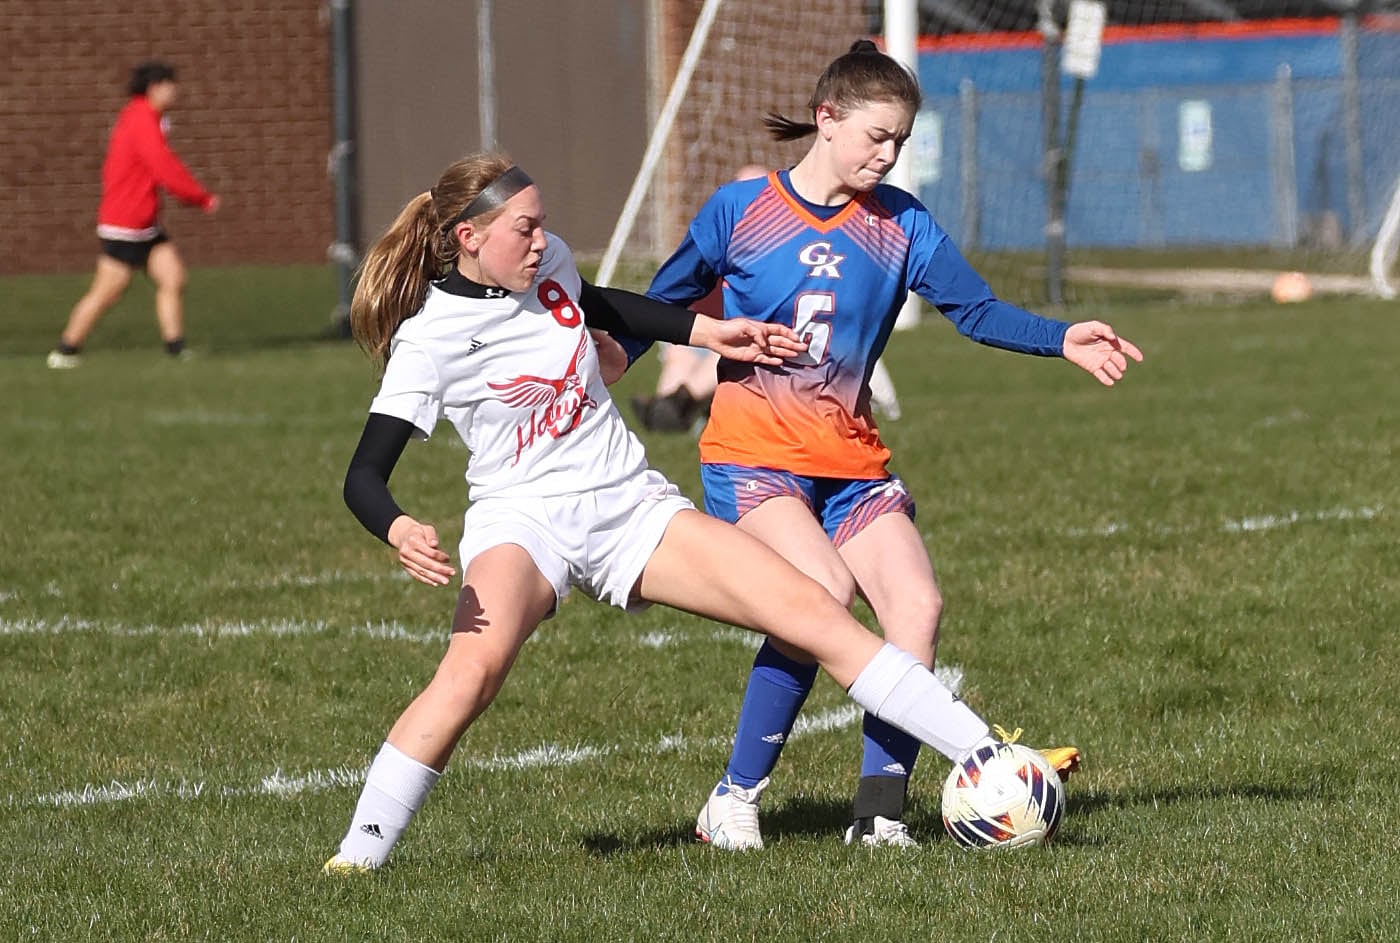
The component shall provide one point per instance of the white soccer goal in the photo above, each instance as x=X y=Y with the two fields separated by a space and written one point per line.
x=717 y=71
x=1272 y=152
x=1387 y=243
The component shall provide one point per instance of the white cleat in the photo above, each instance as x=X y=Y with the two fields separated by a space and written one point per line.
x=58 y=360
x=729 y=819
x=880 y=832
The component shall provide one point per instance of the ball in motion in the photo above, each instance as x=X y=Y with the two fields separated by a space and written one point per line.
x=1291 y=287
x=1003 y=795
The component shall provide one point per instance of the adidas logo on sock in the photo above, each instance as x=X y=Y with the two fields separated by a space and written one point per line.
x=372 y=830
x=774 y=738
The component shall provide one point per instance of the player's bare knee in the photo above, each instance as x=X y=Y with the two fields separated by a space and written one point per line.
x=839 y=584
x=467 y=686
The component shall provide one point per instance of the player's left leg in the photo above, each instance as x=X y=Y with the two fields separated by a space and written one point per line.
x=504 y=596
x=109 y=282
x=779 y=681
x=894 y=575
x=167 y=270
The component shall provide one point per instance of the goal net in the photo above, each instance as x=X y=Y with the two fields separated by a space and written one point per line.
x=746 y=58
x=1242 y=137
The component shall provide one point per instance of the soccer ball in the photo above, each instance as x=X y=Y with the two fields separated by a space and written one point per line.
x=1003 y=795
x=1291 y=287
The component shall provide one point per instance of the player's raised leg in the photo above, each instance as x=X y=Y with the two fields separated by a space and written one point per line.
x=706 y=567
x=896 y=577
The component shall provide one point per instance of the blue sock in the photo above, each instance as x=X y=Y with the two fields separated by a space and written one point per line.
x=889 y=751
x=777 y=688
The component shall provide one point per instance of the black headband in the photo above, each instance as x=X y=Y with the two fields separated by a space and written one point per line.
x=495 y=194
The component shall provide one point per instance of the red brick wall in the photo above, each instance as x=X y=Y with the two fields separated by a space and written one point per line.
x=253 y=122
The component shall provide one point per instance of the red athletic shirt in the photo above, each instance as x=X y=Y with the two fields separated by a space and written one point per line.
x=139 y=164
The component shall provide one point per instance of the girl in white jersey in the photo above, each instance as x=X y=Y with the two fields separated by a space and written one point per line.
x=477 y=316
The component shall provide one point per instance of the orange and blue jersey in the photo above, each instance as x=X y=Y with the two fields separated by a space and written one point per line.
x=838 y=275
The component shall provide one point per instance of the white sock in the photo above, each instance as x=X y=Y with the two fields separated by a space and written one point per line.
x=882 y=395
x=395 y=787
x=899 y=690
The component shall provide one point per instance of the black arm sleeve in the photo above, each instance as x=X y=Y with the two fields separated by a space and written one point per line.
x=625 y=312
x=367 y=479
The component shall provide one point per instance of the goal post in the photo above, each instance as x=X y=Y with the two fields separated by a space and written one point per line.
x=656 y=143
x=724 y=63
x=1387 y=243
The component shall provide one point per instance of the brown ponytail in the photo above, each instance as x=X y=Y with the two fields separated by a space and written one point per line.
x=862 y=76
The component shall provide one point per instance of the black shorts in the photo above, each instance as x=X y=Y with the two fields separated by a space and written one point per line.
x=133 y=254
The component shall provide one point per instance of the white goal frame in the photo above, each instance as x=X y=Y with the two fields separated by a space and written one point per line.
x=1387 y=244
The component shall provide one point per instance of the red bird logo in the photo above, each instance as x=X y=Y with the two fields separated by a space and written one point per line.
x=557 y=405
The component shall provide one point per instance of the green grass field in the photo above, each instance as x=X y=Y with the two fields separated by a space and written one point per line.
x=1195 y=577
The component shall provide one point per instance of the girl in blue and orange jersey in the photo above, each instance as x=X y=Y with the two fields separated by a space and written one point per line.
x=792 y=453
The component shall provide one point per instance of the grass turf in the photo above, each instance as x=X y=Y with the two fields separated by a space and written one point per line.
x=1192 y=576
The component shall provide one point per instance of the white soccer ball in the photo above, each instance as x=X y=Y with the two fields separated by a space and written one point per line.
x=1003 y=795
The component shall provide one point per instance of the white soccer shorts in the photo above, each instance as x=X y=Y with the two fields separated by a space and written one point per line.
x=599 y=541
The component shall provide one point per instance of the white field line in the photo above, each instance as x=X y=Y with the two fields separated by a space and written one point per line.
x=204 y=417
x=1238 y=525
x=279 y=784
x=325 y=578
x=385 y=631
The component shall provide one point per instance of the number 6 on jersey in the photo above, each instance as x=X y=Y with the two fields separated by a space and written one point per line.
x=812 y=314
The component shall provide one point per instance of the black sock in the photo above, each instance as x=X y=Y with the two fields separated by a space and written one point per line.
x=173 y=348
x=880 y=795
x=67 y=349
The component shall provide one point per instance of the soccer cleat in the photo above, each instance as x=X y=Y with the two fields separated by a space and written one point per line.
x=58 y=360
x=729 y=819
x=1065 y=760
x=338 y=865
x=879 y=832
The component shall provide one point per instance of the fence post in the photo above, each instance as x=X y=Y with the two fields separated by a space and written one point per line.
x=1351 y=125
x=344 y=252
x=1283 y=169
x=967 y=165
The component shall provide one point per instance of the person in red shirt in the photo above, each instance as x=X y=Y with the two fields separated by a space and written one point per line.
x=138 y=166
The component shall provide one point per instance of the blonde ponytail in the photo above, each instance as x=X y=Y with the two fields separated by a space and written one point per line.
x=417 y=248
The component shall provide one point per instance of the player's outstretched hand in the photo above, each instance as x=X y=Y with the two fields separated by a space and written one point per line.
x=612 y=359
x=1094 y=347
x=747 y=341
x=419 y=552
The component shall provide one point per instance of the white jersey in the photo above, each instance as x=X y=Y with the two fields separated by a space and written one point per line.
x=516 y=373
